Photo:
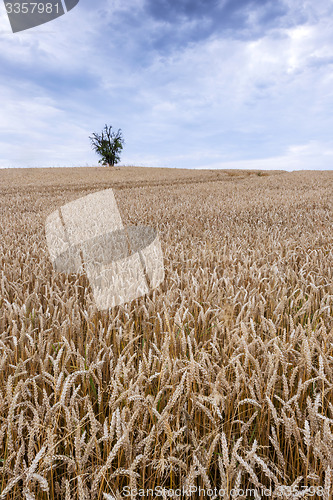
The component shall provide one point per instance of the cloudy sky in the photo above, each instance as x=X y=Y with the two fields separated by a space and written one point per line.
x=191 y=83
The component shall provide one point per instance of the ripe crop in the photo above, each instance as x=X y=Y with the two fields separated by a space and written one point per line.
x=221 y=377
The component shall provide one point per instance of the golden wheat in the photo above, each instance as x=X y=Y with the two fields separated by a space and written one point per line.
x=221 y=377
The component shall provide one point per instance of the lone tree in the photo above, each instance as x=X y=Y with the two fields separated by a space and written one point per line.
x=108 y=145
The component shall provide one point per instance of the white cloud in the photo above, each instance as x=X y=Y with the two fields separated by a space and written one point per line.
x=218 y=101
x=311 y=156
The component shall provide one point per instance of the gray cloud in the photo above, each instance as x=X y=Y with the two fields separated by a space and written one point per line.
x=188 y=21
x=191 y=84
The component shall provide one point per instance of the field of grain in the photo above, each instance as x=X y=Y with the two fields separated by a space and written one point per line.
x=221 y=378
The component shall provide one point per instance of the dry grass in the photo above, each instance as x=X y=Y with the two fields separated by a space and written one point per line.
x=222 y=377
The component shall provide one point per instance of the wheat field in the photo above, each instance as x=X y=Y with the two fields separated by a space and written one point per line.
x=219 y=379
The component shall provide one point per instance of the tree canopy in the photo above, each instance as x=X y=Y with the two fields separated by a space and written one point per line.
x=108 y=145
